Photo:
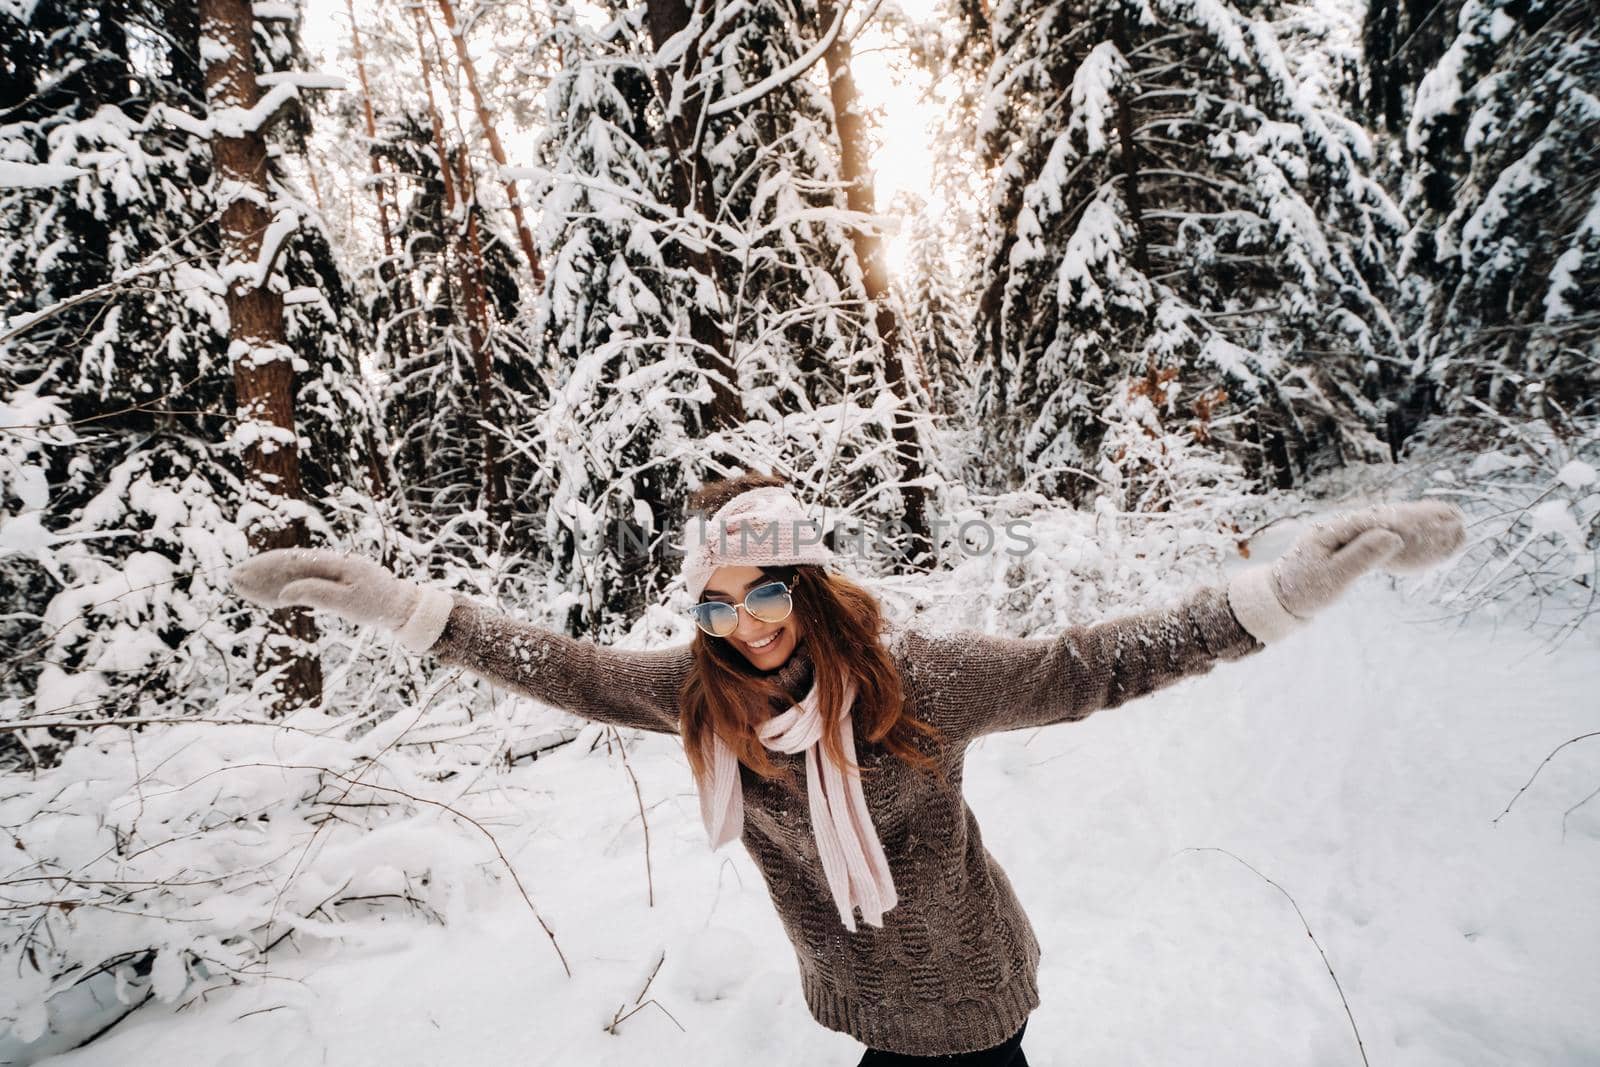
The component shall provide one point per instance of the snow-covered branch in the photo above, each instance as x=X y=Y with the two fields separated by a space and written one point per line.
x=787 y=74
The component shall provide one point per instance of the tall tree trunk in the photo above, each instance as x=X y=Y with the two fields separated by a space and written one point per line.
x=456 y=174
x=387 y=273
x=434 y=121
x=919 y=362
x=494 y=479
x=372 y=138
x=486 y=121
x=1130 y=156
x=870 y=253
x=263 y=374
x=694 y=197
x=939 y=385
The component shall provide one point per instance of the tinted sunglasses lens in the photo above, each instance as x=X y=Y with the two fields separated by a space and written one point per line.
x=770 y=603
x=718 y=620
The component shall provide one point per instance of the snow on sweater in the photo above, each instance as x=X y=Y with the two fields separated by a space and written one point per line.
x=954 y=968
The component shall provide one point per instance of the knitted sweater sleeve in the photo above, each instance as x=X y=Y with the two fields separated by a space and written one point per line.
x=623 y=687
x=975 y=683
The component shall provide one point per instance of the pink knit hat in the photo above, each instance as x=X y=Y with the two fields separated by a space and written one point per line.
x=762 y=527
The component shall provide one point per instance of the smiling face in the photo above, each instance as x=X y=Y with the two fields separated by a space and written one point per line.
x=767 y=645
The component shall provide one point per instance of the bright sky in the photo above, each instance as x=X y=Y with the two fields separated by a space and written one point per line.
x=903 y=161
x=884 y=78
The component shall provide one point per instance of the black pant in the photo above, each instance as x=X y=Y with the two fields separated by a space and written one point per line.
x=1006 y=1054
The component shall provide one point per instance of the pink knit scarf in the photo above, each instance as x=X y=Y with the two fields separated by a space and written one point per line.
x=852 y=857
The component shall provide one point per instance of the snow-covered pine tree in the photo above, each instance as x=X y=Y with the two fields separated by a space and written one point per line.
x=1401 y=40
x=489 y=130
x=431 y=324
x=1504 y=192
x=657 y=281
x=1170 y=198
x=445 y=288
x=810 y=349
x=111 y=376
x=114 y=371
x=255 y=225
x=626 y=398
x=901 y=360
x=937 y=322
x=336 y=413
x=387 y=294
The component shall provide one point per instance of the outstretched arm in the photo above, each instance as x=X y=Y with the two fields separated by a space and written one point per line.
x=624 y=688
x=617 y=686
x=976 y=683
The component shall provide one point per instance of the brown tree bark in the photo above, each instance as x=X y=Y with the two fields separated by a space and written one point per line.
x=456 y=175
x=854 y=167
x=494 y=479
x=372 y=133
x=434 y=121
x=486 y=121
x=386 y=272
x=694 y=197
x=263 y=373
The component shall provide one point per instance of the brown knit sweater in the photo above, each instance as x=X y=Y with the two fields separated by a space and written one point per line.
x=954 y=967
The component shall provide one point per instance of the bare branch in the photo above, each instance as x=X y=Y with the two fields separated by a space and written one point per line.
x=1339 y=988
x=1536 y=770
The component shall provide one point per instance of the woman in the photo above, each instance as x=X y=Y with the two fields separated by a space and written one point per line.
x=794 y=681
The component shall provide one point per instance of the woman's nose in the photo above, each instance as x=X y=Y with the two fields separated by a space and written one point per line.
x=749 y=626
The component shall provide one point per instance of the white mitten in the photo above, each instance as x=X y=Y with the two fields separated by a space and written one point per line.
x=1272 y=601
x=356 y=588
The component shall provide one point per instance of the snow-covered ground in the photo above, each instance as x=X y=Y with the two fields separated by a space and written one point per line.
x=1360 y=765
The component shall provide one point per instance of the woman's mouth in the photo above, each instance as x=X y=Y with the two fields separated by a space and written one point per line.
x=758 y=646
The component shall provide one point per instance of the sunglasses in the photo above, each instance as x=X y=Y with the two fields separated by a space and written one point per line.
x=767 y=603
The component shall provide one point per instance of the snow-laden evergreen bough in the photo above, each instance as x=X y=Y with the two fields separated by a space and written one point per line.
x=703 y=299
x=944 y=960
x=126 y=502
x=1181 y=232
x=1503 y=256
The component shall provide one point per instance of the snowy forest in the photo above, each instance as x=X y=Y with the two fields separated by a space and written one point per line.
x=482 y=290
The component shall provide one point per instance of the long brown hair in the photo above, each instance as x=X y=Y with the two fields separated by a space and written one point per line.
x=840 y=623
